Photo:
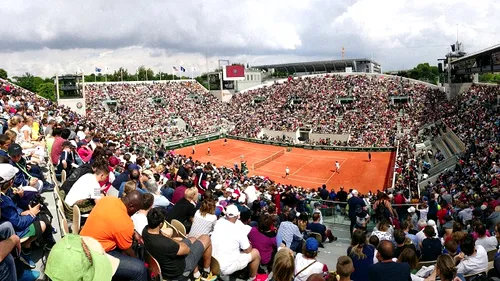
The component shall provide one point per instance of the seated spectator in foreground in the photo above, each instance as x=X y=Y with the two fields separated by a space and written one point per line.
x=384 y=231
x=361 y=254
x=306 y=263
x=231 y=246
x=140 y=218
x=204 y=219
x=431 y=247
x=10 y=245
x=386 y=269
x=25 y=223
x=402 y=242
x=29 y=174
x=405 y=226
x=263 y=238
x=473 y=259
x=87 y=187
x=66 y=159
x=317 y=227
x=185 y=209
x=410 y=257
x=283 y=266
x=111 y=225
x=344 y=268
x=488 y=243
x=289 y=234
x=177 y=257
x=451 y=248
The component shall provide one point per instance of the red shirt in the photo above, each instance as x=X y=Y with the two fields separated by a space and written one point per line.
x=56 y=151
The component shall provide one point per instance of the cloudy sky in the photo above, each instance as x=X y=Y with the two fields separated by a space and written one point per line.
x=45 y=37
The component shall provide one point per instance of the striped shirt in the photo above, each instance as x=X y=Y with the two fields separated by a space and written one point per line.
x=202 y=225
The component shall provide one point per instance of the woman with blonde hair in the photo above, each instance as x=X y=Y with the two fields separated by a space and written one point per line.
x=204 y=219
x=361 y=254
x=283 y=265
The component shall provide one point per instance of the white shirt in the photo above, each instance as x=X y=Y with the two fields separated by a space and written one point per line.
x=202 y=225
x=140 y=222
x=488 y=243
x=301 y=262
x=474 y=264
x=85 y=187
x=227 y=240
x=251 y=193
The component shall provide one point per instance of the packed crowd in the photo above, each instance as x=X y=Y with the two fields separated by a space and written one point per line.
x=252 y=226
x=368 y=115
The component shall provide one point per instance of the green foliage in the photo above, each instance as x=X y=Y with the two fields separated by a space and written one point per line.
x=47 y=90
x=489 y=78
x=423 y=72
x=3 y=73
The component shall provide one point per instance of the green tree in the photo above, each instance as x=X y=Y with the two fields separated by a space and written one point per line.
x=423 y=72
x=47 y=90
x=3 y=73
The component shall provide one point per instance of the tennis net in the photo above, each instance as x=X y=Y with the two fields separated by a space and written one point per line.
x=266 y=160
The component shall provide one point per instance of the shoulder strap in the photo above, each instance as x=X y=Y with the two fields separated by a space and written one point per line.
x=305 y=268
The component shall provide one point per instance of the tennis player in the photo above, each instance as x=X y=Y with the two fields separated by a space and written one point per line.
x=287 y=172
x=337 y=166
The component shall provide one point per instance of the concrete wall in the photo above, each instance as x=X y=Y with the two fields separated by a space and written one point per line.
x=252 y=78
x=280 y=134
x=73 y=104
x=226 y=95
x=454 y=89
x=333 y=137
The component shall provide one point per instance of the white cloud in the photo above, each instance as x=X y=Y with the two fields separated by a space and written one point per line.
x=45 y=37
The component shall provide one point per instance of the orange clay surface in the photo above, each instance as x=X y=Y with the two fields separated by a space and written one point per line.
x=308 y=168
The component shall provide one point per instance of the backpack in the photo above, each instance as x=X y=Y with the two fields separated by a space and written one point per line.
x=382 y=211
x=75 y=175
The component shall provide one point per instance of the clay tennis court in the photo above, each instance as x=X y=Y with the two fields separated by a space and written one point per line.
x=308 y=168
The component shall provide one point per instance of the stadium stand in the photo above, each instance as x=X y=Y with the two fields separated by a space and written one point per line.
x=459 y=205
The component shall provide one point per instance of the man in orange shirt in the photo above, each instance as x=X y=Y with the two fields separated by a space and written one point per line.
x=111 y=225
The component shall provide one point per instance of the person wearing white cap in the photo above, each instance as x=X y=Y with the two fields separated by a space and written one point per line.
x=413 y=215
x=231 y=246
x=356 y=205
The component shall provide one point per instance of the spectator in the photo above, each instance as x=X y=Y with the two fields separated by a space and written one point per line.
x=488 y=243
x=231 y=246
x=283 y=266
x=306 y=263
x=402 y=243
x=204 y=219
x=317 y=227
x=289 y=234
x=177 y=257
x=263 y=238
x=140 y=218
x=356 y=206
x=27 y=224
x=431 y=247
x=386 y=269
x=344 y=268
x=473 y=259
x=87 y=187
x=362 y=255
x=111 y=225
x=384 y=230
x=185 y=209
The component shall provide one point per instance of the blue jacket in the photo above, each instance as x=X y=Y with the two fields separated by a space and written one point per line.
x=21 y=179
x=123 y=177
x=11 y=213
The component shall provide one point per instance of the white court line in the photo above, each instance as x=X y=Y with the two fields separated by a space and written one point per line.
x=272 y=171
x=335 y=171
x=290 y=178
x=303 y=166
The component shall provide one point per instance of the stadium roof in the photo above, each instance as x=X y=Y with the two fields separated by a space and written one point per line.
x=319 y=66
x=495 y=48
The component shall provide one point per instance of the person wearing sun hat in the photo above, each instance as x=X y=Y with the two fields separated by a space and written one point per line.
x=80 y=258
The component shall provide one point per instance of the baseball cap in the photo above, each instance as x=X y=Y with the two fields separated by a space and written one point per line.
x=232 y=211
x=133 y=167
x=411 y=209
x=68 y=260
x=15 y=150
x=355 y=192
x=7 y=172
x=312 y=244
